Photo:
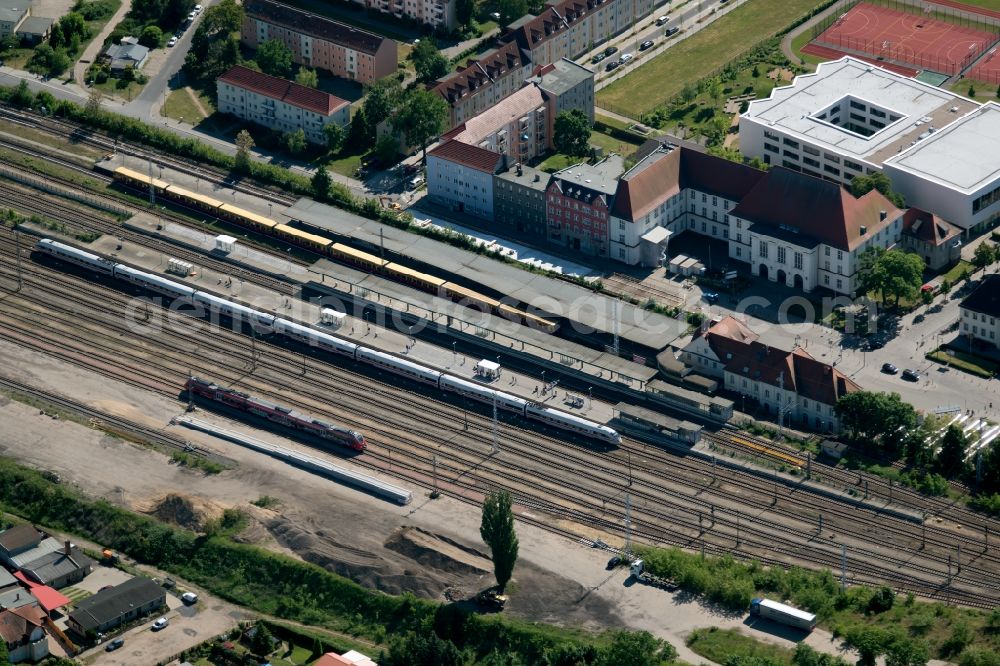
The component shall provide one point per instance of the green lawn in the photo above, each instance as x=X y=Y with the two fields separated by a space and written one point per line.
x=110 y=89
x=974 y=365
x=799 y=42
x=700 y=55
x=558 y=162
x=180 y=106
x=612 y=144
x=954 y=273
x=719 y=644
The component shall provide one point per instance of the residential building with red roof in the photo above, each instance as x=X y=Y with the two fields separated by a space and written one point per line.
x=483 y=82
x=320 y=42
x=278 y=104
x=351 y=658
x=22 y=629
x=460 y=176
x=937 y=241
x=578 y=205
x=790 y=385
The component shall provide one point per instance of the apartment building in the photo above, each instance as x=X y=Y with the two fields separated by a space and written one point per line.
x=320 y=42
x=578 y=205
x=460 y=176
x=483 y=82
x=569 y=28
x=279 y=104
x=439 y=14
x=519 y=202
x=979 y=312
x=790 y=385
x=12 y=13
x=517 y=127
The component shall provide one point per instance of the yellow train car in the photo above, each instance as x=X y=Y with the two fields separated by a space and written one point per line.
x=471 y=298
x=399 y=272
x=364 y=260
x=138 y=179
x=534 y=321
x=302 y=239
x=246 y=218
x=195 y=199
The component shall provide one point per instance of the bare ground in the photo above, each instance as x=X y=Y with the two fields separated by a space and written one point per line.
x=431 y=547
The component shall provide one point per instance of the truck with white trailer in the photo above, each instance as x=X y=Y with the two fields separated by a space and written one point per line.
x=776 y=612
x=638 y=571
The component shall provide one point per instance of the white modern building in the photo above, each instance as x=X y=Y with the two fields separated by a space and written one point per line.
x=940 y=150
x=278 y=104
x=979 y=316
x=460 y=176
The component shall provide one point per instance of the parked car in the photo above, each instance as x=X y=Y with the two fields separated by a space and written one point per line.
x=646 y=44
x=611 y=65
x=671 y=31
x=171 y=41
x=189 y=598
x=598 y=58
x=614 y=562
x=160 y=623
x=495 y=16
x=710 y=296
x=611 y=50
x=663 y=20
x=197 y=9
x=192 y=16
x=115 y=644
x=889 y=369
x=490 y=599
x=626 y=57
x=911 y=375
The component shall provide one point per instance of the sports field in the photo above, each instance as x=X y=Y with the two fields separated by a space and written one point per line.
x=919 y=40
x=700 y=55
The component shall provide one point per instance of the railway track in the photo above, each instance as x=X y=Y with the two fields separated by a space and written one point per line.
x=628 y=287
x=91 y=137
x=753 y=541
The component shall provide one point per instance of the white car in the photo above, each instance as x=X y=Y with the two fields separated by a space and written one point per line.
x=160 y=624
x=197 y=9
x=172 y=41
x=189 y=598
x=626 y=57
x=192 y=16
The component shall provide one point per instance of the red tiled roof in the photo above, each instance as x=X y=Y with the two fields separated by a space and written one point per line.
x=280 y=89
x=480 y=72
x=313 y=25
x=928 y=227
x=473 y=157
x=743 y=355
x=553 y=20
x=17 y=623
x=717 y=175
x=818 y=209
x=49 y=598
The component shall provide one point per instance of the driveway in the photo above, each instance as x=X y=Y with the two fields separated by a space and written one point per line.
x=94 y=48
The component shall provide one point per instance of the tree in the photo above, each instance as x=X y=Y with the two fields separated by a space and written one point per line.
x=421 y=117
x=881 y=419
x=422 y=650
x=636 y=648
x=4 y=654
x=334 y=135
x=321 y=183
x=951 y=457
x=295 y=141
x=262 y=642
x=244 y=144
x=984 y=255
x=307 y=77
x=428 y=61
x=274 y=58
x=572 y=133
x=385 y=149
x=215 y=46
x=464 y=9
x=22 y=95
x=497 y=530
x=906 y=651
x=978 y=656
x=511 y=10
x=903 y=274
x=868 y=641
x=151 y=36
x=93 y=102
x=862 y=185
x=381 y=99
x=882 y=600
x=972 y=90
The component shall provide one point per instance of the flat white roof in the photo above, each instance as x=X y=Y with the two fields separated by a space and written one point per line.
x=790 y=109
x=788 y=610
x=965 y=155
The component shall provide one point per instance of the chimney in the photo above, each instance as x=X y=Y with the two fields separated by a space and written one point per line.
x=882 y=215
x=67 y=548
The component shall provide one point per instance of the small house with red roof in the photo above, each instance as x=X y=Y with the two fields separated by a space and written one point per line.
x=460 y=176
x=937 y=241
x=791 y=384
x=22 y=629
x=280 y=105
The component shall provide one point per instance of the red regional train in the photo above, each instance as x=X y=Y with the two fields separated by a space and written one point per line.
x=276 y=413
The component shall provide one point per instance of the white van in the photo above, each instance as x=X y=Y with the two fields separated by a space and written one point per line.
x=662 y=20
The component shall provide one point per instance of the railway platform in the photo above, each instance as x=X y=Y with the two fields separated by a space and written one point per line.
x=354 y=325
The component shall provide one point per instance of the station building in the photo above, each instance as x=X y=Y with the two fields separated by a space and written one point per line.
x=980 y=312
x=941 y=151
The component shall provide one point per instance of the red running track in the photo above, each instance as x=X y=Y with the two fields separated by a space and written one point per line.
x=916 y=39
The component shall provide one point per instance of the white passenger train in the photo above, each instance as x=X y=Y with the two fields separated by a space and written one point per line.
x=294 y=331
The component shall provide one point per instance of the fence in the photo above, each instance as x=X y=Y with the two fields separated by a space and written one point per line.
x=947 y=12
x=905 y=54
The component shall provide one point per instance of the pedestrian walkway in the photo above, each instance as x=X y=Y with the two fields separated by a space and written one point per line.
x=95 y=46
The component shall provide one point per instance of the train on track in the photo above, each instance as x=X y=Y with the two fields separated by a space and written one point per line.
x=275 y=413
x=417 y=372
x=326 y=246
